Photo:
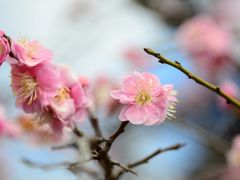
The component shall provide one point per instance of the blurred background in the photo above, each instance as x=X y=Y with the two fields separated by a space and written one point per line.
x=103 y=41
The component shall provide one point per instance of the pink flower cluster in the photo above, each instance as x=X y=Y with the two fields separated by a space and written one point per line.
x=146 y=100
x=55 y=97
x=51 y=93
x=206 y=41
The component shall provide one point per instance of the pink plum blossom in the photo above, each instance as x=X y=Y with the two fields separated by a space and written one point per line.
x=146 y=100
x=62 y=104
x=70 y=103
x=71 y=96
x=4 y=47
x=206 y=41
x=35 y=87
x=44 y=134
x=30 y=53
x=84 y=81
x=52 y=93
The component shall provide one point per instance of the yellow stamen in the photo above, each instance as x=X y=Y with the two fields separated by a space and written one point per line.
x=63 y=94
x=28 y=88
x=39 y=120
x=30 y=48
x=143 y=98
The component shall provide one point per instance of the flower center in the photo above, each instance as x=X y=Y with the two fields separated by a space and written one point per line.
x=30 y=48
x=63 y=94
x=28 y=88
x=31 y=52
x=41 y=119
x=143 y=98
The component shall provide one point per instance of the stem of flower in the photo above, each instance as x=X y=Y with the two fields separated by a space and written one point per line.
x=115 y=135
x=95 y=124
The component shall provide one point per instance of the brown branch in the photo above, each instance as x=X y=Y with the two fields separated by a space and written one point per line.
x=152 y=155
x=107 y=166
x=197 y=79
x=123 y=167
x=97 y=146
x=47 y=166
x=115 y=135
x=74 y=167
x=100 y=148
x=157 y=152
x=72 y=145
x=119 y=131
x=78 y=132
x=95 y=124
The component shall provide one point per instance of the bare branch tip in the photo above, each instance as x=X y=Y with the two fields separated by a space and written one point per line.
x=178 y=146
x=150 y=51
x=146 y=50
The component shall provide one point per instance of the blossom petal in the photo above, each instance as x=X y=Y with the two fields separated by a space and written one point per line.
x=123 y=98
x=136 y=114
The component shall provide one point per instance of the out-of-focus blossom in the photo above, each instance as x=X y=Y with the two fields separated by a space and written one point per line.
x=84 y=81
x=136 y=57
x=48 y=120
x=25 y=123
x=233 y=156
x=7 y=128
x=206 y=41
x=4 y=47
x=227 y=12
x=35 y=87
x=101 y=92
x=147 y=101
x=231 y=89
x=37 y=135
x=30 y=53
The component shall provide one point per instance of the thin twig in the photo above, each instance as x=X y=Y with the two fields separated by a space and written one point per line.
x=115 y=135
x=95 y=124
x=78 y=132
x=197 y=79
x=157 y=152
x=123 y=167
x=47 y=166
x=72 y=145
x=74 y=167
x=152 y=155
